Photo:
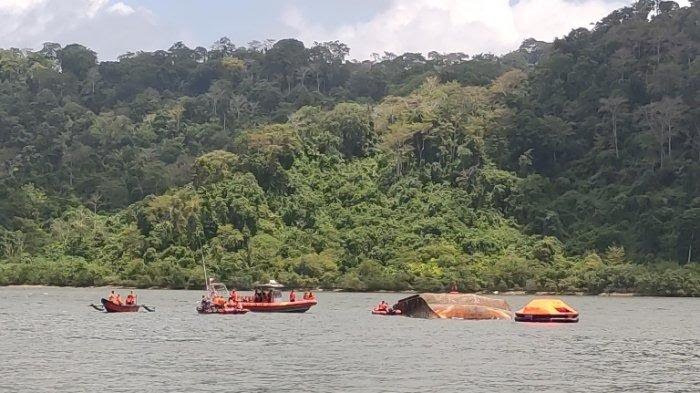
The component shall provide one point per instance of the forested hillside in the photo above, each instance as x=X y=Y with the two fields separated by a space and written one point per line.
x=571 y=166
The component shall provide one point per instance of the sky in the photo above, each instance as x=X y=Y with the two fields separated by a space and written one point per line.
x=114 y=27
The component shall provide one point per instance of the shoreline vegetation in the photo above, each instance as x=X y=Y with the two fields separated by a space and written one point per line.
x=337 y=290
x=562 y=167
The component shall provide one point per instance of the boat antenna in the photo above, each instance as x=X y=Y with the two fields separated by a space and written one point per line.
x=206 y=280
x=204 y=267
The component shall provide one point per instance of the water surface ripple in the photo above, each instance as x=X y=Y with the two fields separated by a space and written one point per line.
x=50 y=341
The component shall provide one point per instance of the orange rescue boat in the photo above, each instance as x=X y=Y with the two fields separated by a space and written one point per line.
x=547 y=310
x=264 y=300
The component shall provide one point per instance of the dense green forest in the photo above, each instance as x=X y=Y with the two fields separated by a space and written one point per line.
x=571 y=166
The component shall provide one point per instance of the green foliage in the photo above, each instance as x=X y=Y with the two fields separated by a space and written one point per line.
x=565 y=167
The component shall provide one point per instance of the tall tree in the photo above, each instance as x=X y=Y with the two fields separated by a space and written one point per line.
x=613 y=105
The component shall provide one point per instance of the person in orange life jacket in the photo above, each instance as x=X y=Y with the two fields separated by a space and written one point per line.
x=383 y=306
x=292 y=296
x=233 y=296
x=130 y=298
x=112 y=297
x=118 y=300
x=233 y=303
x=218 y=301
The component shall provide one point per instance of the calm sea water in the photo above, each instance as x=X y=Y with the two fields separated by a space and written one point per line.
x=51 y=341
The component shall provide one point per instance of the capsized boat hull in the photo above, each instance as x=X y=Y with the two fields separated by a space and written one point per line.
x=454 y=306
x=297 y=306
x=113 y=307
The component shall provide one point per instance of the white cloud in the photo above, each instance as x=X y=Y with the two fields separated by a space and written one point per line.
x=13 y=7
x=121 y=8
x=470 y=26
x=109 y=27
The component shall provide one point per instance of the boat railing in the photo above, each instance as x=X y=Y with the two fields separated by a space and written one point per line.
x=218 y=289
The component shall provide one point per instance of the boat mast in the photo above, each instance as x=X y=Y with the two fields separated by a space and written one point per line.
x=206 y=280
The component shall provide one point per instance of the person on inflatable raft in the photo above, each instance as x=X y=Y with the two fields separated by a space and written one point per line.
x=309 y=296
x=383 y=308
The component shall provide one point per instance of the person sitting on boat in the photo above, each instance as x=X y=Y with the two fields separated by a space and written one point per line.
x=383 y=306
x=233 y=296
x=292 y=296
x=233 y=303
x=205 y=303
x=130 y=299
x=118 y=300
x=311 y=296
x=112 y=297
x=218 y=301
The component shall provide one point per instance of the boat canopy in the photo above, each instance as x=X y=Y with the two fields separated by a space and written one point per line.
x=454 y=306
x=547 y=307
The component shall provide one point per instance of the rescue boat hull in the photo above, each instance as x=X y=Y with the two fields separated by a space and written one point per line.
x=298 y=306
x=113 y=307
x=224 y=311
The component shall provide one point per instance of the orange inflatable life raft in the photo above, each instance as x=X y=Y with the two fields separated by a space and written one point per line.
x=547 y=310
x=388 y=312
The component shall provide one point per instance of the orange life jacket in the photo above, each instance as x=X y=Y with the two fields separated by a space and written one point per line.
x=130 y=299
x=292 y=296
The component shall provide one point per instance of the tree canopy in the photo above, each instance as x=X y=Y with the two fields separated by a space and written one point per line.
x=571 y=166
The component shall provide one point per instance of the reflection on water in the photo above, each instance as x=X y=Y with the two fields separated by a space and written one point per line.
x=50 y=340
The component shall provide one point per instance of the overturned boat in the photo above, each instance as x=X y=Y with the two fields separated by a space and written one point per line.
x=454 y=306
x=547 y=310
